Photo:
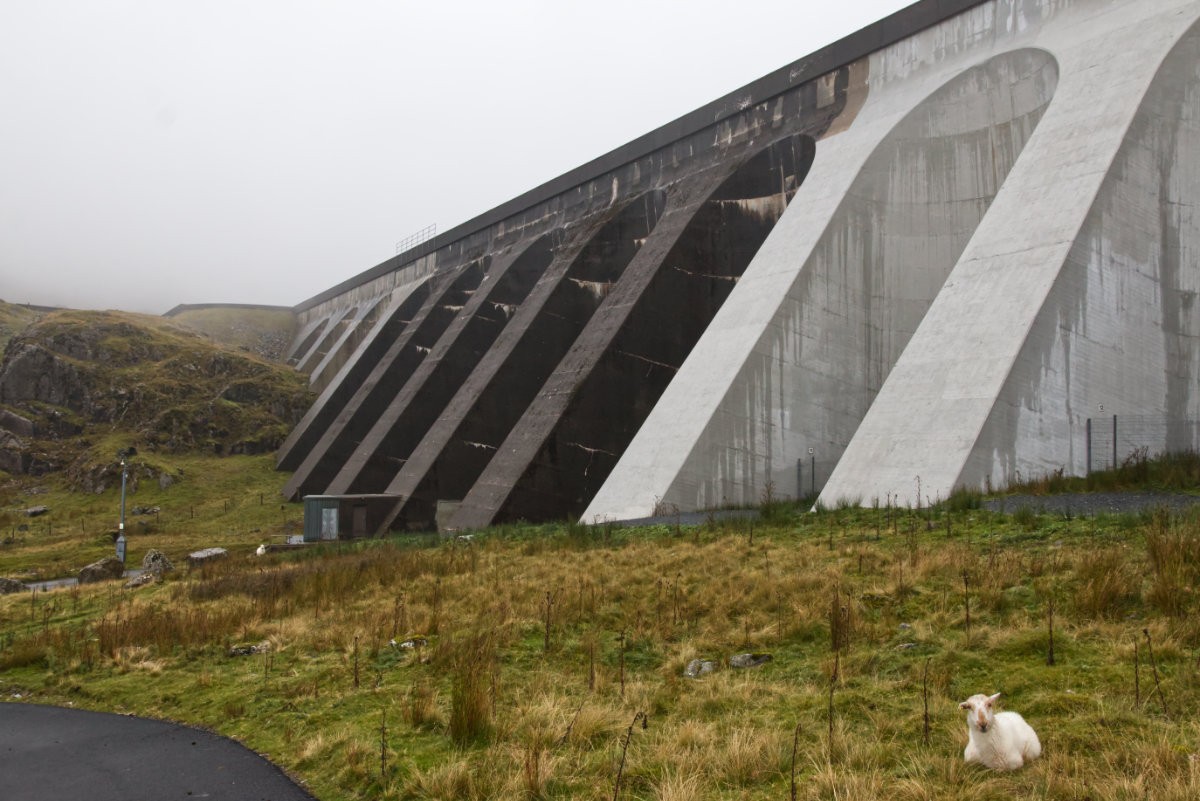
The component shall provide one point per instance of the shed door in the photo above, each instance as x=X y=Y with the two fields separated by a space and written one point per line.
x=329 y=524
x=360 y=521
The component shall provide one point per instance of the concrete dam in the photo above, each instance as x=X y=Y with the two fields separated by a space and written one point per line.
x=928 y=256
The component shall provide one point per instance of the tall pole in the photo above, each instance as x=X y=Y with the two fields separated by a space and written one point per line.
x=121 y=529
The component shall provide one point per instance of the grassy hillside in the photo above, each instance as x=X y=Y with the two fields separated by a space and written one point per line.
x=263 y=332
x=13 y=320
x=77 y=388
x=176 y=503
x=92 y=383
x=555 y=657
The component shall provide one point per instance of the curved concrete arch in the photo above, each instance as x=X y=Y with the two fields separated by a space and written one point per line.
x=855 y=299
x=880 y=264
x=1119 y=332
x=954 y=395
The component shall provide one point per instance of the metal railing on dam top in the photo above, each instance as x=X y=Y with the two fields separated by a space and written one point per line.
x=412 y=240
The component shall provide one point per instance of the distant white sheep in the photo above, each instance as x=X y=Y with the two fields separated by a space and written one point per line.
x=998 y=740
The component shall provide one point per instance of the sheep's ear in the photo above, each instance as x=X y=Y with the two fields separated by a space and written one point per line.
x=965 y=705
x=992 y=698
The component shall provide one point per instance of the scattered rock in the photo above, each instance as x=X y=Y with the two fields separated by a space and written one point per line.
x=206 y=555
x=906 y=646
x=165 y=480
x=156 y=562
x=9 y=586
x=905 y=626
x=699 y=667
x=145 y=510
x=36 y=511
x=748 y=660
x=15 y=423
x=141 y=580
x=411 y=642
x=110 y=567
x=13 y=458
x=250 y=650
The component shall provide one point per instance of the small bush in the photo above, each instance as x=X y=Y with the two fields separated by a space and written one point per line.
x=1174 y=554
x=1027 y=517
x=963 y=499
x=420 y=707
x=23 y=653
x=470 y=685
x=1106 y=586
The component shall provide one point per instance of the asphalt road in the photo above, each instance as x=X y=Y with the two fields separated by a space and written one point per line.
x=49 y=753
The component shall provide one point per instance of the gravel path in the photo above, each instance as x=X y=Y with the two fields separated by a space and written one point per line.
x=1093 y=503
x=1084 y=504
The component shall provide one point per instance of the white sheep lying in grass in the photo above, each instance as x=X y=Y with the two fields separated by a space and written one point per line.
x=998 y=740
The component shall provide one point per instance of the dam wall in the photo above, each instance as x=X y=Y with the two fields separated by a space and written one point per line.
x=919 y=259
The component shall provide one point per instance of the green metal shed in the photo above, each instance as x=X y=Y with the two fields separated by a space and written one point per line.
x=335 y=517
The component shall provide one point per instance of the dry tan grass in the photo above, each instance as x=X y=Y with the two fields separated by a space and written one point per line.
x=550 y=733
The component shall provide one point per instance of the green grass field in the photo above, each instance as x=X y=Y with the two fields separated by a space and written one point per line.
x=555 y=655
x=232 y=502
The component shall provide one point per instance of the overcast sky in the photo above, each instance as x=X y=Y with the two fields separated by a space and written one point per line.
x=155 y=152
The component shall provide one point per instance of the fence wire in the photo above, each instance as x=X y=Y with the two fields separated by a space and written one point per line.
x=1111 y=441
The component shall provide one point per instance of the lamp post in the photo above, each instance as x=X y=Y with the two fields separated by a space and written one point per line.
x=123 y=455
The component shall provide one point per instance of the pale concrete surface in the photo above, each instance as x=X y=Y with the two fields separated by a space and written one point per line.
x=54 y=753
x=996 y=242
x=977 y=356
x=969 y=272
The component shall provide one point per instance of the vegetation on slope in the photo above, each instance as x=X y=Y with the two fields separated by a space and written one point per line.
x=77 y=388
x=262 y=331
x=175 y=503
x=88 y=380
x=13 y=320
x=554 y=657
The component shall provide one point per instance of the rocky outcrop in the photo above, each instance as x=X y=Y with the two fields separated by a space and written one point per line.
x=9 y=586
x=171 y=389
x=33 y=373
x=16 y=424
x=13 y=458
x=110 y=567
x=155 y=561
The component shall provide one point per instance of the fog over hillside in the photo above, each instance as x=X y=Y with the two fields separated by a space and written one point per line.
x=157 y=153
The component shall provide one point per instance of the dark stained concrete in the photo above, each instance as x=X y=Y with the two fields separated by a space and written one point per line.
x=571 y=435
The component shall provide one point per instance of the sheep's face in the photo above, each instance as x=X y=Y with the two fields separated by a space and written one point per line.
x=979 y=711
